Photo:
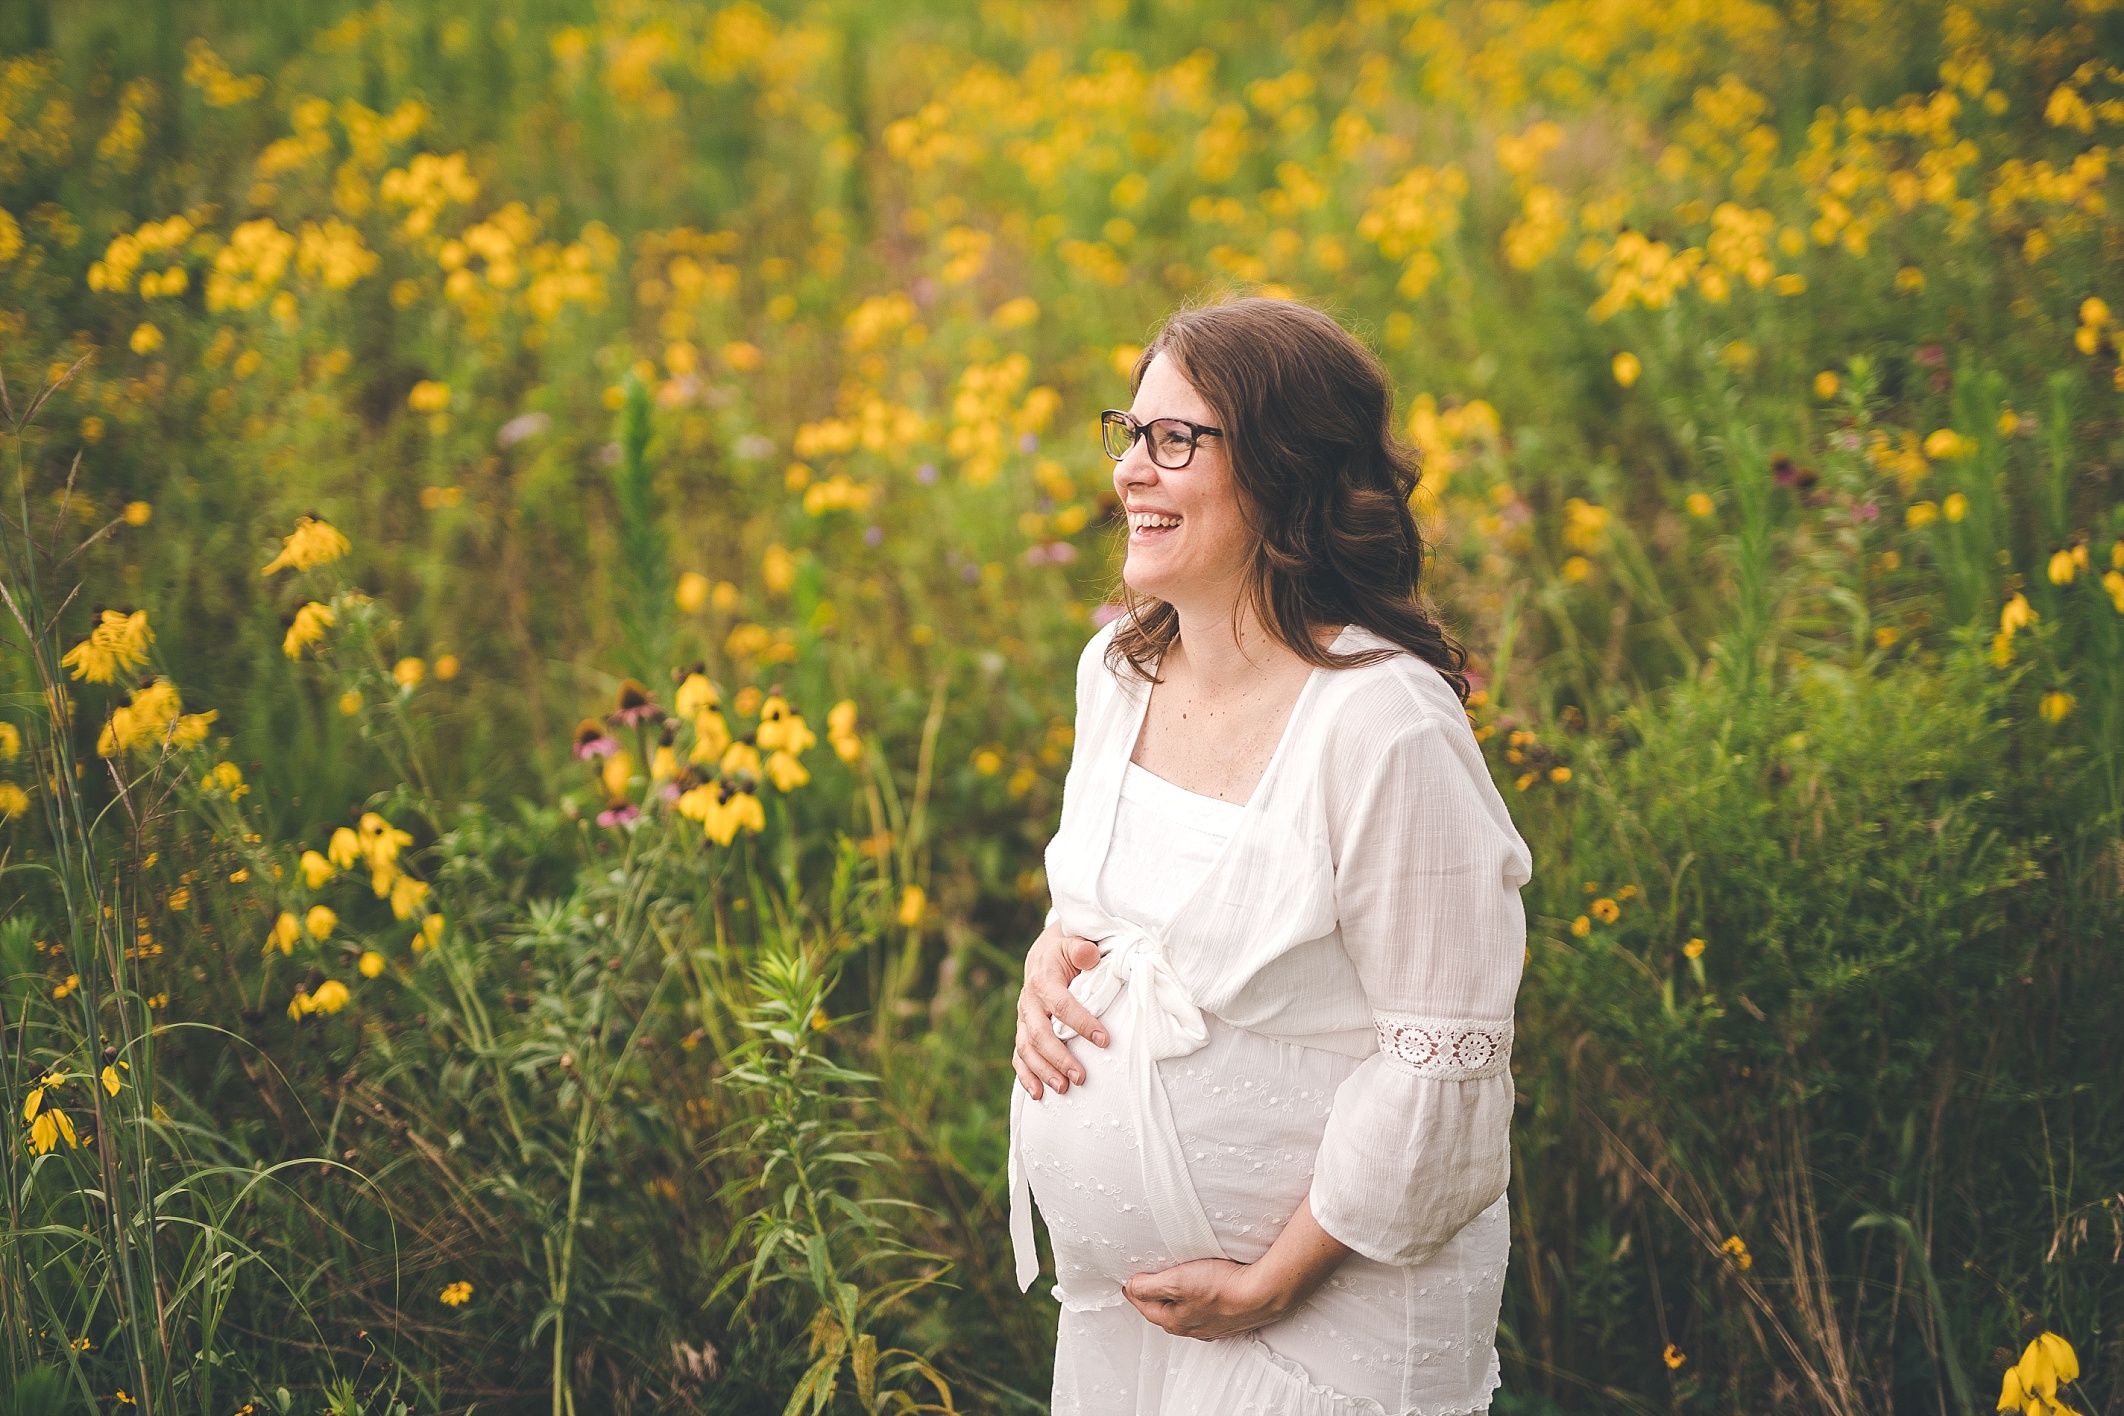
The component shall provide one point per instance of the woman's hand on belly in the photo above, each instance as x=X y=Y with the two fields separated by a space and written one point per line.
x=1213 y=1298
x=1040 y=1058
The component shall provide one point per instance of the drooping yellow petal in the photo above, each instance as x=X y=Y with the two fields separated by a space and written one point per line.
x=110 y=1080
x=2038 y=1376
x=2011 y=1396
x=2063 y=1360
x=31 y=1102
x=316 y=870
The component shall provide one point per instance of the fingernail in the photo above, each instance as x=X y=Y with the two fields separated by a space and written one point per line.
x=1100 y=1038
x=1077 y=1077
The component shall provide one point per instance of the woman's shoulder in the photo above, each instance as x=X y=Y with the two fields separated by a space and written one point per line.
x=1394 y=694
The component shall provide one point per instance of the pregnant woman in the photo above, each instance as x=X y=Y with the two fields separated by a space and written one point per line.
x=1262 y=1048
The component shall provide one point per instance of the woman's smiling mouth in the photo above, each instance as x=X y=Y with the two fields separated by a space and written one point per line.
x=1148 y=525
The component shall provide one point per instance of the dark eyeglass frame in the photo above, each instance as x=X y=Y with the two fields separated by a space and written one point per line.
x=1117 y=417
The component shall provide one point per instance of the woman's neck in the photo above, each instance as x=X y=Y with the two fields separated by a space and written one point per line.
x=1225 y=647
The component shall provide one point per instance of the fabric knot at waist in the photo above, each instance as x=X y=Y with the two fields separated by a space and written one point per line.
x=1164 y=1023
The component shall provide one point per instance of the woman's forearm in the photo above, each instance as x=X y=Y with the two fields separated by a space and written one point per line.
x=1298 y=1262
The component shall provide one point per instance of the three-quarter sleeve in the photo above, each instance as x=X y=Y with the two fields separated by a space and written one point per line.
x=1427 y=875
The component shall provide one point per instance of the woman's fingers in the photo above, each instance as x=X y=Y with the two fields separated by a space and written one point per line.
x=1040 y=1048
x=1082 y=954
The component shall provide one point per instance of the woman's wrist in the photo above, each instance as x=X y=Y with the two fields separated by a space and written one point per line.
x=1300 y=1260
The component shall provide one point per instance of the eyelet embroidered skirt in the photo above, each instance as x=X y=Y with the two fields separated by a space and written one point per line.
x=1375 y=1340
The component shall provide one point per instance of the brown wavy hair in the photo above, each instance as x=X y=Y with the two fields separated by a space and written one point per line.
x=1324 y=483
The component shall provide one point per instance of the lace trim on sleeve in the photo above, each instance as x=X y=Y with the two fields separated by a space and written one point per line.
x=1446 y=1049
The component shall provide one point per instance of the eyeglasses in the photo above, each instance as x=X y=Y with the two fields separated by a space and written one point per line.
x=1171 y=440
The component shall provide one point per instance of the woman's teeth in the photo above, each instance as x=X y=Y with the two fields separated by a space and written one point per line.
x=1150 y=521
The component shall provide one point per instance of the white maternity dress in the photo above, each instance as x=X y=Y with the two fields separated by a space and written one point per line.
x=1310 y=994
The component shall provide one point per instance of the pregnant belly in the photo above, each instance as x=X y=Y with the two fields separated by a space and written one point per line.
x=1249 y=1111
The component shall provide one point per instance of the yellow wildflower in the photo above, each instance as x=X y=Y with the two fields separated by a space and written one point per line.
x=316 y=870
x=2063 y=567
x=146 y=339
x=785 y=771
x=110 y=1080
x=914 y=903
x=1607 y=910
x=1673 y=1356
x=695 y=696
x=728 y=813
x=285 y=931
x=1694 y=949
x=1738 y=1250
x=841 y=730
x=781 y=729
x=1954 y=506
x=406 y=896
x=118 y=643
x=2017 y=614
x=370 y=964
x=345 y=851
x=1922 y=513
x=1826 y=384
x=711 y=735
x=1559 y=775
x=320 y=921
x=428 y=396
x=10 y=741
x=409 y=672
x=330 y=997
x=692 y=592
x=739 y=757
x=311 y=543
x=431 y=932
x=446 y=667
x=988 y=762
x=457 y=1294
x=13 y=801
x=2056 y=705
x=1581 y=926
x=1700 y=504
x=311 y=622
x=136 y=513
x=2113 y=582
x=1626 y=368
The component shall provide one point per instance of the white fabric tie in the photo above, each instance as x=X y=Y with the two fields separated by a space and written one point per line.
x=1163 y=1023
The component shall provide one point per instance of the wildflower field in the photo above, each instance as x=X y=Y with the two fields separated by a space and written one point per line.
x=544 y=548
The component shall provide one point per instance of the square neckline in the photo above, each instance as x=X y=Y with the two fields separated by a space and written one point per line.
x=1248 y=811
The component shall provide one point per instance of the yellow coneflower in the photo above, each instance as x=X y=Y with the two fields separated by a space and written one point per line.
x=345 y=851
x=1606 y=910
x=118 y=643
x=841 y=730
x=13 y=801
x=316 y=870
x=370 y=964
x=1626 y=368
x=330 y=997
x=2056 y=705
x=711 y=736
x=311 y=622
x=914 y=903
x=285 y=931
x=409 y=672
x=10 y=742
x=739 y=757
x=696 y=695
x=1581 y=926
x=1739 y=1250
x=1673 y=1356
x=1694 y=949
x=431 y=932
x=320 y=921
x=312 y=543
x=785 y=771
x=456 y=1294
x=407 y=895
